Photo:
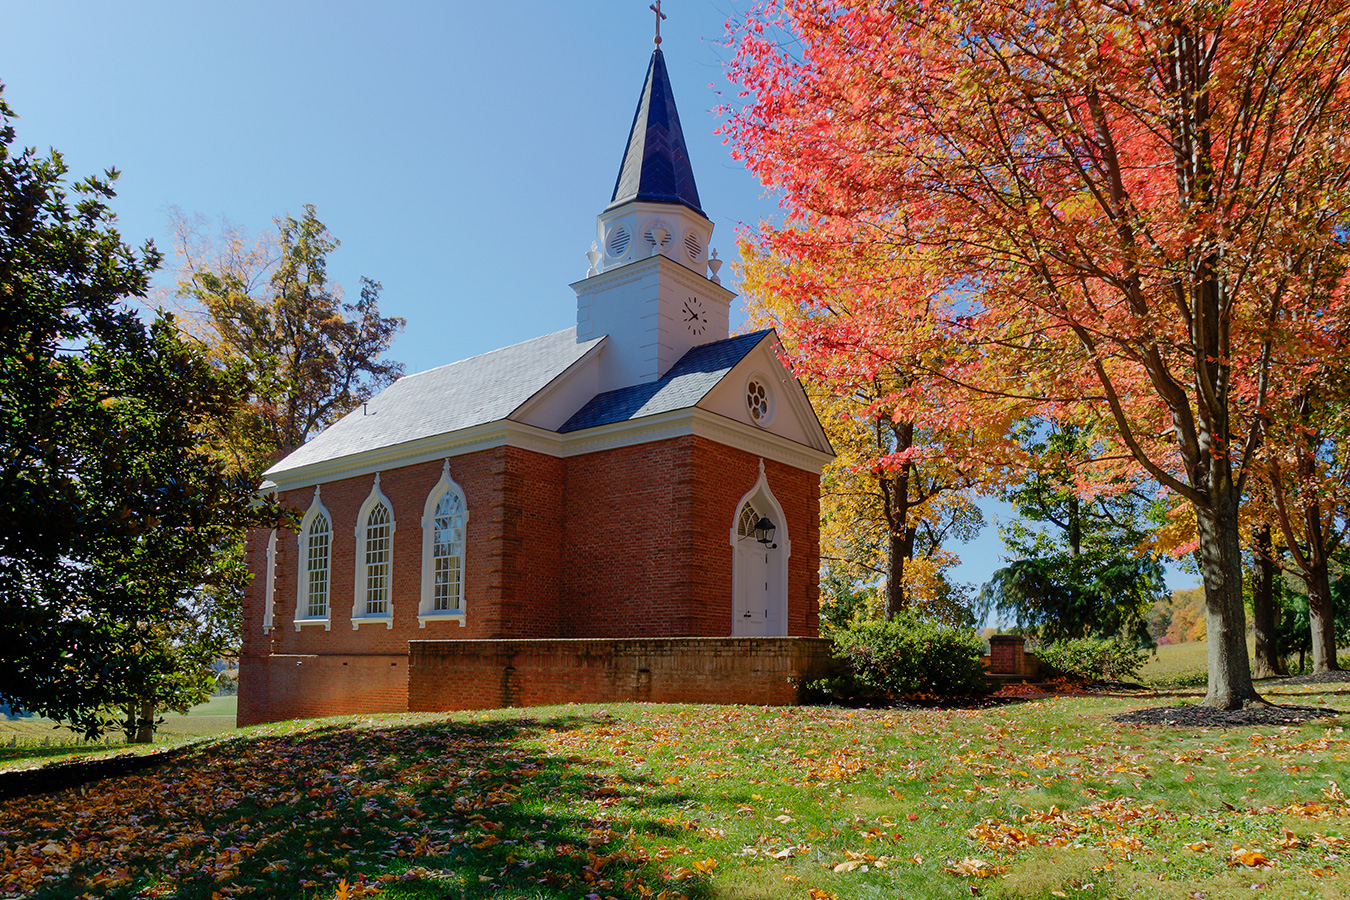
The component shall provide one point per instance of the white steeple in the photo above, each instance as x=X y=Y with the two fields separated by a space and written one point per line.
x=647 y=284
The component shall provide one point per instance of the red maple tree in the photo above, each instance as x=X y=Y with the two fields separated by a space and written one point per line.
x=1116 y=197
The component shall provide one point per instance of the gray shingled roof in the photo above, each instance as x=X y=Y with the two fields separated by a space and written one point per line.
x=697 y=372
x=470 y=392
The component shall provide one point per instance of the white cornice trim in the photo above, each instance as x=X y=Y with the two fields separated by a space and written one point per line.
x=432 y=447
x=758 y=442
x=577 y=443
x=639 y=269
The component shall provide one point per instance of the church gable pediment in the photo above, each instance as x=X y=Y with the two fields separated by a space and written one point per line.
x=573 y=388
x=760 y=391
x=684 y=386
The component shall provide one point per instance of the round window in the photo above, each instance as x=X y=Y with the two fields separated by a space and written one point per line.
x=757 y=401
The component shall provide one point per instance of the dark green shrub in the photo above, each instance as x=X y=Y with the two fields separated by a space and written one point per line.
x=909 y=658
x=1096 y=659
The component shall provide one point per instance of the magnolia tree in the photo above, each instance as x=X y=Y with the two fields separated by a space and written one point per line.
x=1117 y=201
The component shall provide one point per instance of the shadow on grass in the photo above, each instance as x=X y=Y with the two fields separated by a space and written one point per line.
x=436 y=810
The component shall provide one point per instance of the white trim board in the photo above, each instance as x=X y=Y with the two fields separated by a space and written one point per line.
x=677 y=423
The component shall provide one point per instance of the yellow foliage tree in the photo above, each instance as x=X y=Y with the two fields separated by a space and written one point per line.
x=903 y=483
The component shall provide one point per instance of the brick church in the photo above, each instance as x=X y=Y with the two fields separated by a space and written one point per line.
x=627 y=509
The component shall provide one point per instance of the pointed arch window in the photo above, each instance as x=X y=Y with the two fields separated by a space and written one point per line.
x=444 y=523
x=316 y=568
x=373 y=598
x=745 y=523
x=447 y=555
x=378 y=540
x=313 y=600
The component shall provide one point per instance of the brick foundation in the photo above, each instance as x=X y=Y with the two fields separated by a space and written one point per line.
x=308 y=685
x=469 y=674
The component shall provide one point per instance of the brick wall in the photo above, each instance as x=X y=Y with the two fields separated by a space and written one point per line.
x=526 y=545
x=629 y=542
x=628 y=556
x=448 y=675
x=310 y=685
x=1006 y=656
x=722 y=475
x=480 y=475
x=647 y=548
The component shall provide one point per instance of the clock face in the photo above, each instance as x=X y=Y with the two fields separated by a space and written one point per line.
x=695 y=315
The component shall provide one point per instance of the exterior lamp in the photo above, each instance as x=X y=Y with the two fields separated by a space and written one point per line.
x=764 y=530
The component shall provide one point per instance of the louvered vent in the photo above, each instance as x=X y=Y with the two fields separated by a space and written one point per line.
x=693 y=246
x=619 y=239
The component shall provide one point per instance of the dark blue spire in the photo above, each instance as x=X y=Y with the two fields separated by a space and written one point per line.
x=656 y=165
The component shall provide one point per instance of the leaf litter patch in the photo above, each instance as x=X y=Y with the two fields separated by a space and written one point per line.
x=1193 y=716
x=1317 y=678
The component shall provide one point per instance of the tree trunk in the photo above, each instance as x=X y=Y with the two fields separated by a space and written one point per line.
x=896 y=601
x=1230 y=673
x=895 y=505
x=1321 y=619
x=1267 y=662
x=145 y=724
x=1321 y=613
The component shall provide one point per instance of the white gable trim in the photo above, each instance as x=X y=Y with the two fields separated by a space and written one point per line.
x=556 y=402
x=359 y=615
x=791 y=416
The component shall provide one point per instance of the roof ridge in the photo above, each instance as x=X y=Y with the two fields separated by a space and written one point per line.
x=570 y=328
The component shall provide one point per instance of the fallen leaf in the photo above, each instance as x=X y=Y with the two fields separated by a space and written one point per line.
x=1251 y=858
x=971 y=867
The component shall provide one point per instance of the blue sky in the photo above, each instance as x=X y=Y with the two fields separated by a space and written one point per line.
x=460 y=151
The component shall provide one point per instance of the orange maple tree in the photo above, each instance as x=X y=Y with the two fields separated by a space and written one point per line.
x=1112 y=195
x=911 y=447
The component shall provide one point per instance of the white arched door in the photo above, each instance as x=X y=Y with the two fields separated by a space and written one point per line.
x=759 y=582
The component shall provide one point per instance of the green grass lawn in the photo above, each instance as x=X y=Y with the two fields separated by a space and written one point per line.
x=1178 y=664
x=1186 y=664
x=1043 y=799
x=24 y=740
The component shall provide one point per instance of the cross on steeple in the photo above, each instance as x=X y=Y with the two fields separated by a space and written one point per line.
x=656 y=8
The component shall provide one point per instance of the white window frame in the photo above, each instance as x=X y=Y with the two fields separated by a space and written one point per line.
x=302 y=618
x=359 y=615
x=270 y=585
x=427 y=611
